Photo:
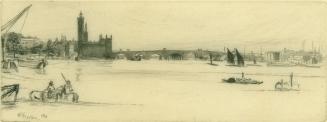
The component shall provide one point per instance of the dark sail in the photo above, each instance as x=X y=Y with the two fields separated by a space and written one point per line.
x=230 y=57
x=240 y=60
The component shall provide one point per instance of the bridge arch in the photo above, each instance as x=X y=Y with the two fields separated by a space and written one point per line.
x=155 y=56
x=121 y=56
x=176 y=56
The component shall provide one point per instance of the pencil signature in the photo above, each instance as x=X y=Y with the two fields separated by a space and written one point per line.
x=31 y=117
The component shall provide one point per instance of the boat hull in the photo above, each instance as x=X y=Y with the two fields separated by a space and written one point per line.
x=281 y=65
x=28 y=63
x=231 y=65
x=258 y=65
x=242 y=81
x=309 y=65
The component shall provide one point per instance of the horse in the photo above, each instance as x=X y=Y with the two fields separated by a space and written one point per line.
x=57 y=94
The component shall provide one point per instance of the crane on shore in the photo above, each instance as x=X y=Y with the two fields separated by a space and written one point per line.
x=4 y=31
x=6 y=27
x=8 y=91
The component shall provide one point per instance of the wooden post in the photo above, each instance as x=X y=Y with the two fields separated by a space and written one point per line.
x=210 y=55
x=291 y=79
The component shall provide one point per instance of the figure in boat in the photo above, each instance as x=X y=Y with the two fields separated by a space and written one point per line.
x=66 y=89
x=50 y=90
x=242 y=80
x=287 y=86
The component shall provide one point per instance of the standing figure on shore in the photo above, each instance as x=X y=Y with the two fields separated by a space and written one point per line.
x=43 y=63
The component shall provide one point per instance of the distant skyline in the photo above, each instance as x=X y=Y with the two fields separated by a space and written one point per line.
x=180 y=25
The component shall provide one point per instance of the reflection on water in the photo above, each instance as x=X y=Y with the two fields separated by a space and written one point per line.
x=166 y=89
x=78 y=74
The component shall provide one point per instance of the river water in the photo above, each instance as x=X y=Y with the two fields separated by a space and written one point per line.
x=169 y=91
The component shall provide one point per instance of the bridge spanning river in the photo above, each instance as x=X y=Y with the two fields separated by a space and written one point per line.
x=170 y=54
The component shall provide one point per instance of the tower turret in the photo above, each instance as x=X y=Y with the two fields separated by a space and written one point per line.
x=80 y=27
x=86 y=34
x=80 y=32
x=108 y=46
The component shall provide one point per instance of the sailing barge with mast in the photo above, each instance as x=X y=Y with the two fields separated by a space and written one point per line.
x=234 y=60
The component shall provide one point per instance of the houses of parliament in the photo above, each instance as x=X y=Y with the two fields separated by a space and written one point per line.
x=89 y=49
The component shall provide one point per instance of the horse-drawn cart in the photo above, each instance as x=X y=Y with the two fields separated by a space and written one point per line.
x=56 y=96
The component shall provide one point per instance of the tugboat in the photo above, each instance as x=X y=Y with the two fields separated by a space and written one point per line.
x=242 y=80
x=287 y=86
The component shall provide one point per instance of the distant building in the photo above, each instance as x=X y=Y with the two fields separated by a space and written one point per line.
x=89 y=49
x=295 y=57
x=70 y=49
x=273 y=56
x=201 y=54
x=29 y=42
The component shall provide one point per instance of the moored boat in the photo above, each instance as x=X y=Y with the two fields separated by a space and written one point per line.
x=32 y=63
x=9 y=93
x=9 y=66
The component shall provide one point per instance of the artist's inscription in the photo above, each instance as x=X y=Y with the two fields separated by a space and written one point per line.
x=30 y=116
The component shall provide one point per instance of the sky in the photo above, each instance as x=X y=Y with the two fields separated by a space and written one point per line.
x=180 y=25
